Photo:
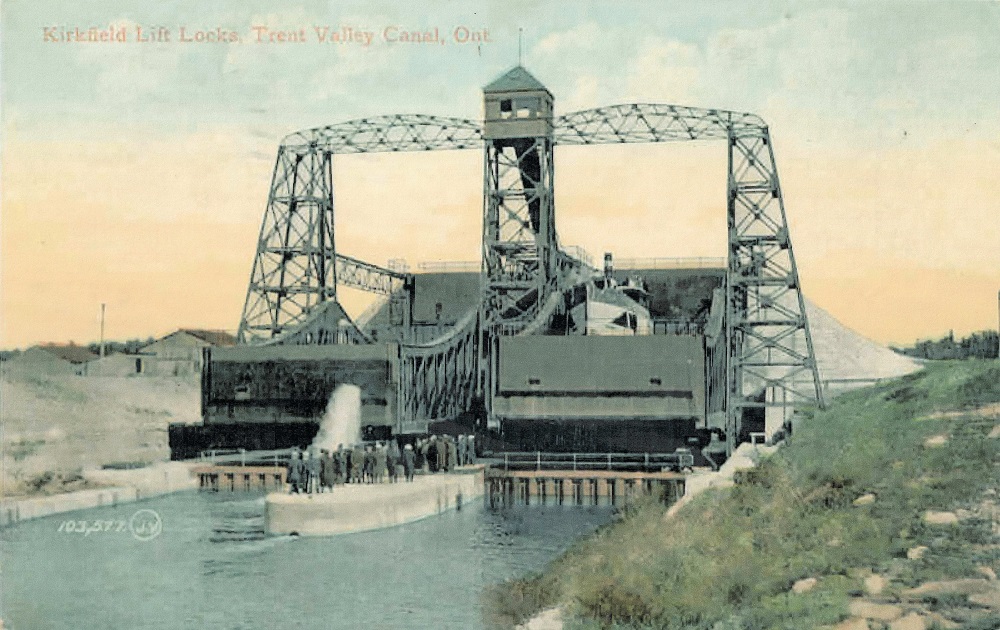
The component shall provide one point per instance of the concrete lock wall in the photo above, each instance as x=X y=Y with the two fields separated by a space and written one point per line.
x=124 y=486
x=16 y=510
x=363 y=507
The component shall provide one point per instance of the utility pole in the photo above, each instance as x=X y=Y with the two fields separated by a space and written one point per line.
x=102 y=330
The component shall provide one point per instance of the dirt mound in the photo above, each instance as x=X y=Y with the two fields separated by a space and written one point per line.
x=54 y=424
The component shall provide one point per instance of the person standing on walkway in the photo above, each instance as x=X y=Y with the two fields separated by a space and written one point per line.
x=380 y=463
x=409 y=461
x=338 y=465
x=450 y=452
x=442 y=453
x=420 y=454
x=397 y=456
x=323 y=470
x=390 y=462
x=369 y=465
x=357 y=464
x=327 y=474
x=294 y=474
x=313 y=470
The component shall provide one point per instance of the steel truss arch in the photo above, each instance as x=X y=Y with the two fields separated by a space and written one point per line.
x=296 y=271
x=382 y=134
x=649 y=122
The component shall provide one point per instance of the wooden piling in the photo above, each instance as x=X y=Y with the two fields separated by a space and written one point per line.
x=585 y=487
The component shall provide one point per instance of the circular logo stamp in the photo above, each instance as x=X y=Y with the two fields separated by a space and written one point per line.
x=145 y=524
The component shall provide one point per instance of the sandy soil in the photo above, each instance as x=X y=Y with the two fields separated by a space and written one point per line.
x=53 y=427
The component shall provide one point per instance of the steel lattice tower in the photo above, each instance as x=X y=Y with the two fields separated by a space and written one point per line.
x=769 y=344
x=519 y=240
x=294 y=267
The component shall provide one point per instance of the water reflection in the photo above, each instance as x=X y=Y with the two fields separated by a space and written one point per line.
x=213 y=566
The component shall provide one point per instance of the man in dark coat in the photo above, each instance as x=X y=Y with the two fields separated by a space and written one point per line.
x=322 y=472
x=357 y=464
x=369 y=465
x=432 y=454
x=420 y=453
x=390 y=463
x=327 y=473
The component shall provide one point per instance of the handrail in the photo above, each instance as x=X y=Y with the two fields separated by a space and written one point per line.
x=450 y=265
x=695 y=262
x=539 y=460
x=242 y=457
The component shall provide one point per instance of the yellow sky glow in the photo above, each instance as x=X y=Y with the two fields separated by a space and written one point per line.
x=163 y=231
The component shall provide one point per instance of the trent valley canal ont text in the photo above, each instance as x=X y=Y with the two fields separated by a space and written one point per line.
x=257 y=34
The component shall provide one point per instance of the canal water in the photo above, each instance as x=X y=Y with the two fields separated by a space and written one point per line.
x=201 y=560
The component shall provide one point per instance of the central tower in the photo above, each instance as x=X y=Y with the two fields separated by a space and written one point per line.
x=519 y=238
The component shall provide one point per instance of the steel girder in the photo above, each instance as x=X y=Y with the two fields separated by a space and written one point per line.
x=438 y=380
x=368 y=277
x=769 y=343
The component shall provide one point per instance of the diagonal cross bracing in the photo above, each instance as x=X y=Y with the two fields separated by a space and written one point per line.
x=296 y=269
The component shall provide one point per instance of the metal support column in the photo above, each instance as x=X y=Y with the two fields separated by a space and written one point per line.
x=772 y=365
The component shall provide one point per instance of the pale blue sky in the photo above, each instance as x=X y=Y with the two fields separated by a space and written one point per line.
x=925 y=66
x=131 y=169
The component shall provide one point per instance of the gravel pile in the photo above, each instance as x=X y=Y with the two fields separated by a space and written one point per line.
x=848 y=359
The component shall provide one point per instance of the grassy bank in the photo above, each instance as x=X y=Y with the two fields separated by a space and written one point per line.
x=730 y=558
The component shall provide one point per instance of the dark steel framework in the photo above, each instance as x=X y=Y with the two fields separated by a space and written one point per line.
x=296 y=268
x=769 y=355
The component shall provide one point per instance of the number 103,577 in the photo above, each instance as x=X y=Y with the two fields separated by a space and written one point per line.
x=91 y=527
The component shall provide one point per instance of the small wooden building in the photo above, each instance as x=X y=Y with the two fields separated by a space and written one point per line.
x=52 y=359
x=180 y=352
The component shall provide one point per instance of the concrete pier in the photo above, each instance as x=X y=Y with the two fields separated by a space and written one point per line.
x=362 y=507
x=122 y=486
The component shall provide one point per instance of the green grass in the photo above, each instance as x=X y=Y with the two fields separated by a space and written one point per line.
x=729 y=558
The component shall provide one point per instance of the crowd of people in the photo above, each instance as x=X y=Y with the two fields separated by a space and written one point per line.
x=316 y=471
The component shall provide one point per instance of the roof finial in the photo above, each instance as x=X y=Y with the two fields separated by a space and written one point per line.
x=520 y=42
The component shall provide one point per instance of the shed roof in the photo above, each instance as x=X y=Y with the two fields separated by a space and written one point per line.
x=213 y=337
x=72 y=353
